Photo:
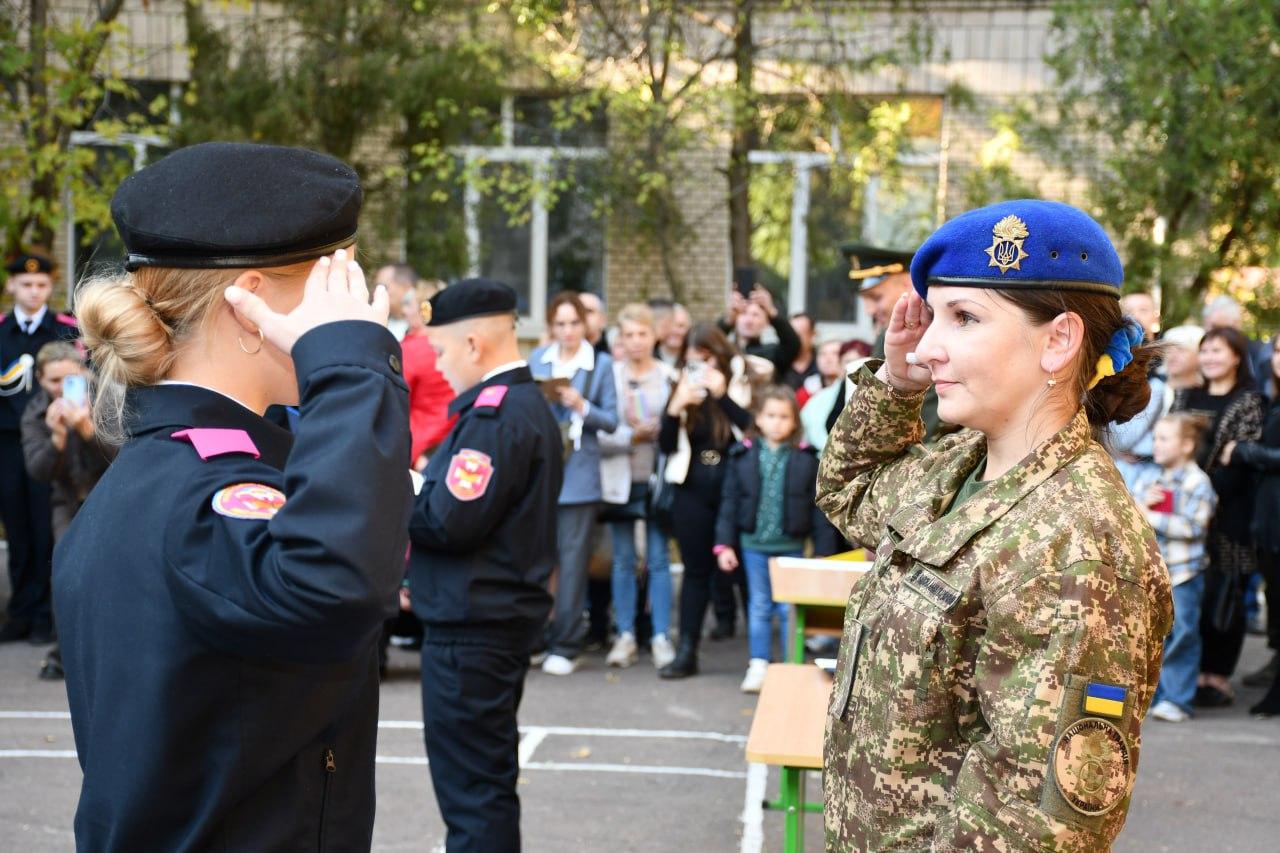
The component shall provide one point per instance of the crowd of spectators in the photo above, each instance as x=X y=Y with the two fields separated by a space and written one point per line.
x=695 y=442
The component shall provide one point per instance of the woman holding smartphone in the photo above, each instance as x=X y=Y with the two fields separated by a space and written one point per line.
x=221 y=593
x=707 y=412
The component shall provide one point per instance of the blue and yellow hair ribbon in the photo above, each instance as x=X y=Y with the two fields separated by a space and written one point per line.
x=1119 y=354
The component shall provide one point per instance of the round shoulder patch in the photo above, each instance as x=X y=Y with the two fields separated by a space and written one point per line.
x=1092 y=767
x=248 y=500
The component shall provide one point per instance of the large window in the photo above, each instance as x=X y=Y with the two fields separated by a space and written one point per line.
x=806 y=203
x=528 y=213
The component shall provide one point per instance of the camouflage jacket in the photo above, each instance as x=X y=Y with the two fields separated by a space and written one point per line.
x=997 y=662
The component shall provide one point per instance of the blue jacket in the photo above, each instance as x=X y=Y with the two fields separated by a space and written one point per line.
x=582 y=467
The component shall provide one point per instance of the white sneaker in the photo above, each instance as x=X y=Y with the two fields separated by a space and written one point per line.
x=623 y=653
x=1169 y=712
x=662 y=650
x=559 y=665
x=754 y=679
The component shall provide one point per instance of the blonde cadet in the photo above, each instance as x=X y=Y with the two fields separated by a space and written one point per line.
x=997 y=661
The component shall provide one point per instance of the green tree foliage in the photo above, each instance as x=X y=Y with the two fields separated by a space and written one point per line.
x=1171 y=109
x=56 y=80
x=681 y=77
x=354 y=78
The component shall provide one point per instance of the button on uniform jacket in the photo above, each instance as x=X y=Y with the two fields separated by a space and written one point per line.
x=483 y=529
x=221 y=660
x=997 y=662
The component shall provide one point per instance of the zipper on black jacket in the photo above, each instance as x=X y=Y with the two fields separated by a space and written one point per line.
x=330 y=767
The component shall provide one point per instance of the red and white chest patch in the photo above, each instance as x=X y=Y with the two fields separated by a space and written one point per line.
x=469 y=474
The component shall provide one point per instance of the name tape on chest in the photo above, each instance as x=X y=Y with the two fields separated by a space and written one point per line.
x=932 y=587
x=249 y=501
x=470 y=472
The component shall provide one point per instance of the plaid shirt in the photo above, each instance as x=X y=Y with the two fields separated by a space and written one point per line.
x=1181 y=533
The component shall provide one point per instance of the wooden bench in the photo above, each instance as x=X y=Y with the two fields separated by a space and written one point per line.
x=817 y=591
x=787 y=731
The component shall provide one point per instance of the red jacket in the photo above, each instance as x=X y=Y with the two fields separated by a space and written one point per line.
x=429 y=395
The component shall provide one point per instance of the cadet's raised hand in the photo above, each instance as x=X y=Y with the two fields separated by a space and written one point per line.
x=907 y=325
x=335 y=291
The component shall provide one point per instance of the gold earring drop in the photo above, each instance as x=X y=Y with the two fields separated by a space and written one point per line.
x=240 y=341
x=1052 y=380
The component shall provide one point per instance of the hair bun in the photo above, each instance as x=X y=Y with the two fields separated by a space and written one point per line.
x=128 y=341
x=1122 y=396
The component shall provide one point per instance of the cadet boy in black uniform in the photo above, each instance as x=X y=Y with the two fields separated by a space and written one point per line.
x=221 y=594
x=24 y=502
x=483 y=538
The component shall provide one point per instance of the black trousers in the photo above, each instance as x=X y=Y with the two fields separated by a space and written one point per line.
x=1269 y=567
x=27 y=514
x=471 y=689
x=1230 y=564
x=693 y=523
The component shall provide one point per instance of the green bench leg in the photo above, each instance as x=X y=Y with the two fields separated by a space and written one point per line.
x=793 y=809
x=797 y=633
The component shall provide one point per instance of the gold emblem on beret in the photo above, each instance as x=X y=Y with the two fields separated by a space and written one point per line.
x=32 y=265
x=1005 y=250
x=425 y=310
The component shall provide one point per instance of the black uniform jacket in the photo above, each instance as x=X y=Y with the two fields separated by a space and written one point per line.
x=222 y=668
x=740 y=494
x=484 y=524
x=15 y=343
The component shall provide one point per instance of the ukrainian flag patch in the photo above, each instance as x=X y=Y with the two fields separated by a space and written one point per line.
x=1105 y=700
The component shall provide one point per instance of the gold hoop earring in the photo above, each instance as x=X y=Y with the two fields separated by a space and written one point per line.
x=240 y=341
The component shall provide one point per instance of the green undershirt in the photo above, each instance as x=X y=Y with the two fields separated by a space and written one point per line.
x=970 y=487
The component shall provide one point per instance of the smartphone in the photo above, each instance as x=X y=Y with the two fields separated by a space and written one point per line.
x=695 y=370
x=744 y=280
x=75 y=390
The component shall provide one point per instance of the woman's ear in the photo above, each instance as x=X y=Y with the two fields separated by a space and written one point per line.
x=1062 y=343
x=250 y=280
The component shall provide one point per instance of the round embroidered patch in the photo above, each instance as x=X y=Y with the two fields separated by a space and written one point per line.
x=248 y=500
x=1092 y=766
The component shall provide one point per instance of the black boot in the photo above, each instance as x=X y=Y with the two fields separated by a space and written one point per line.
x=685 y=664
x=1270 y=704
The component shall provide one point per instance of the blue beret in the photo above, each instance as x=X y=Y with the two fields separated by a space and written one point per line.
x=1024 y=244
x=472 y=297
x=230 y=204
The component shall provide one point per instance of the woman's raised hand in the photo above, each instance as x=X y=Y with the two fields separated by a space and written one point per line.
x=335 y=291
x=907 y=325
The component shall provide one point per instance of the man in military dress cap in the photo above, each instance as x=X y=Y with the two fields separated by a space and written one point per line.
x=24 y=502
x=483 y=536
x=883 y=275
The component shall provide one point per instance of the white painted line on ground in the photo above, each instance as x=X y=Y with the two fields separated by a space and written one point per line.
x=37 y=753
x=579 y=731
x=753 y=808
x=401 y=759
x=416 y=725
x=637 y=768
x=529 y=743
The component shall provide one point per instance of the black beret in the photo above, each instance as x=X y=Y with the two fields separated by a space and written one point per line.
x=230 y=204
x=472 y=297
x=868 y=265
x=27 y=262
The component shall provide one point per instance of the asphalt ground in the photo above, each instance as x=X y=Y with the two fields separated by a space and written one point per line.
x=621 y=761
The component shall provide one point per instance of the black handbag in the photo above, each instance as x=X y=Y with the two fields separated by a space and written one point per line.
x=1228 y=601
x=662 y=496
x=634 y=509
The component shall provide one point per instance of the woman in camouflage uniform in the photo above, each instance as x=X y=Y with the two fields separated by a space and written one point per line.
x=998 y=659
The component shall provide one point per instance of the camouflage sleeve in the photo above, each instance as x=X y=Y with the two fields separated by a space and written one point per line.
x=1065 y=672
x=857 y=488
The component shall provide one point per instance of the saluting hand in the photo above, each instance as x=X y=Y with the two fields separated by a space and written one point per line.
x=335 y=291
x=910 y=319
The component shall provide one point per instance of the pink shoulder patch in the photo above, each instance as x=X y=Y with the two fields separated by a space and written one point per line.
x=491 y=396
x=67 y=320
x=218 y=442
x=746 y=442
